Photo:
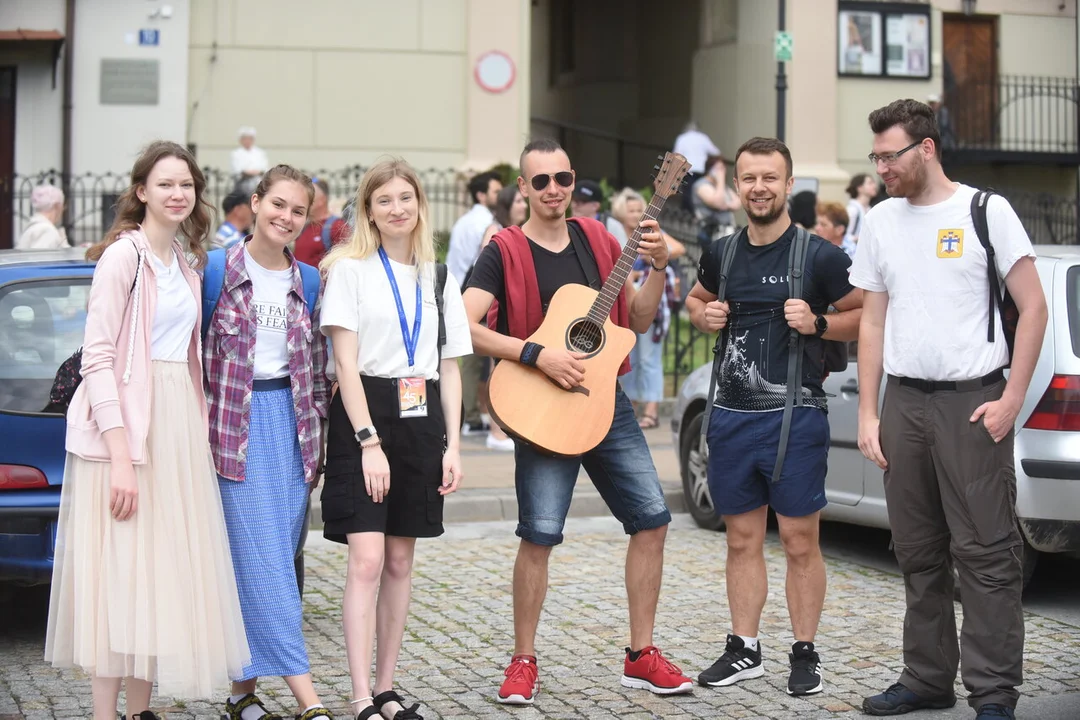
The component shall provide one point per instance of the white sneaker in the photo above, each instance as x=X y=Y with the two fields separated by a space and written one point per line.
x=504 y=445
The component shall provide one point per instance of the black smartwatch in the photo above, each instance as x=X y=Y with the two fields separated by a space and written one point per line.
x=821 y=326
x=364 y=434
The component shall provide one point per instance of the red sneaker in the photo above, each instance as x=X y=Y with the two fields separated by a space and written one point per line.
x=655 y=673
x=522 y=681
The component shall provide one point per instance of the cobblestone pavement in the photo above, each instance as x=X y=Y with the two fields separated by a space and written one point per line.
x=459 y=637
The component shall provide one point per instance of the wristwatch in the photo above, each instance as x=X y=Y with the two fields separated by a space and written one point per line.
x=364 y=434
x=821 y=325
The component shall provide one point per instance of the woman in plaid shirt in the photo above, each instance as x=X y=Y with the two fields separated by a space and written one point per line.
x=267 y=389
x=392 y=450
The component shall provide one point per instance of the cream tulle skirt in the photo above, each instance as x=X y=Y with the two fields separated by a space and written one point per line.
x=153 y=597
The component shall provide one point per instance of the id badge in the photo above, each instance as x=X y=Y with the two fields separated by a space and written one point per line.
x=412 y=397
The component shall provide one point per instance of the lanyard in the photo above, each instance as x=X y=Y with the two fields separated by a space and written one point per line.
x=413 y=341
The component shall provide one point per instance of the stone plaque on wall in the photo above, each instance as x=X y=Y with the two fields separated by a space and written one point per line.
x=129 y=82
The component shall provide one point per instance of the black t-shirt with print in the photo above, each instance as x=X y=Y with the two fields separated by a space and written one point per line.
x=553 y=270
x=753 y=371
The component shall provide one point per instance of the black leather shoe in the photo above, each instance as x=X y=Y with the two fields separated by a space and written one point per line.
x=898 y=700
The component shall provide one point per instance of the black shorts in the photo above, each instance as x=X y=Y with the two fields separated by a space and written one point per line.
x=414 y=448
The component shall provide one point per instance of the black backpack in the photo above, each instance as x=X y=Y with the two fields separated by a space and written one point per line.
x=835 y=355
x=999 y=294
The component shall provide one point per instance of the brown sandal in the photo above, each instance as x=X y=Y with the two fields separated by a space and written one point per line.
x=648 y=422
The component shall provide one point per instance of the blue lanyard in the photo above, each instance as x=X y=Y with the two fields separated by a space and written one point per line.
x=414 y=340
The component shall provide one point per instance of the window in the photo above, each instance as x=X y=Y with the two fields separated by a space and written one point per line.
x=41 y=325
x=883 y=39
x=561 y=40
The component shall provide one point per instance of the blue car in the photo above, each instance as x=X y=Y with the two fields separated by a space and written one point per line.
x=43 y=296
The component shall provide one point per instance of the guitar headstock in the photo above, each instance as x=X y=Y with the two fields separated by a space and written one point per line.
x=670 y=174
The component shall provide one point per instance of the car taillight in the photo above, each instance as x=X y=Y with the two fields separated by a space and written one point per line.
x=21 y=477
x=1059 y=408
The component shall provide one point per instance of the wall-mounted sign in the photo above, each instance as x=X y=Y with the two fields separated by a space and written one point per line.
x=883 y=39
x=150 y=37
x=495 y=71
x=129 y=82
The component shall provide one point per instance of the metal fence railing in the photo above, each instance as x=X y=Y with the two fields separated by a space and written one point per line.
x=1014 y=113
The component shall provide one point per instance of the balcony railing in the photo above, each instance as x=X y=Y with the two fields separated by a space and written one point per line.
x=1016 y=118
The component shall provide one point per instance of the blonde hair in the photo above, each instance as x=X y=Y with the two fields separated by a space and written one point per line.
x=620 y=200
x=366 y=240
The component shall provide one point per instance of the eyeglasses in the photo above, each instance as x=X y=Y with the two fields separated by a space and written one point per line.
x=891 y=158
x=564 y=179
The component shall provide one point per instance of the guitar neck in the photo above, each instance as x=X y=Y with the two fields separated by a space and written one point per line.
x=615 y=282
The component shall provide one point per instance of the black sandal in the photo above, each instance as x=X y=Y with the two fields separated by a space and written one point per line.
x=403 y=714
x=369 y=712
x=233 y=711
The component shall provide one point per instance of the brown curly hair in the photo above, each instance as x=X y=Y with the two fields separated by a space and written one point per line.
x=131 y=211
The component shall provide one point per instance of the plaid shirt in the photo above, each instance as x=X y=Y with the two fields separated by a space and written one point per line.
x=229 y=361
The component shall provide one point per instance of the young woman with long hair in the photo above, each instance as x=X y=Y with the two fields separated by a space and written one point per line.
x=393 y=448
x=268 y=393
x=142 y=583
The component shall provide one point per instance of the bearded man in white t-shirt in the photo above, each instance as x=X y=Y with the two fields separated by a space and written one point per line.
x=945 y=435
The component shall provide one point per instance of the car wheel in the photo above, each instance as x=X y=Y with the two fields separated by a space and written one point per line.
x=693 y=464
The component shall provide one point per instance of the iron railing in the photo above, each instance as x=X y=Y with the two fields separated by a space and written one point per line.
x=90 y=198
x=1012 y=114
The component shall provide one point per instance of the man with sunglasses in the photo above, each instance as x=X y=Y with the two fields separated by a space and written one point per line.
x=945 y=434
x=522 y=268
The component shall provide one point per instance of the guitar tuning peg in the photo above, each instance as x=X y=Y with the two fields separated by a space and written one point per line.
x=656 y=168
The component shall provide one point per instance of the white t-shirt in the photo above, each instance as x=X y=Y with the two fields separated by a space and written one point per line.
x=244 y=159
x=175 y=312
x=695 y=146
x=358 y=297
x=269 y=301
x=930 y=262
x=465 y=238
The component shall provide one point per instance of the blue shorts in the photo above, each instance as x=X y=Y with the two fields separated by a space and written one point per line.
x=742 y=455
x=621 y=468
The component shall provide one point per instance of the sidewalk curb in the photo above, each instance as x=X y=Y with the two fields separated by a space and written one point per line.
x=487 y=505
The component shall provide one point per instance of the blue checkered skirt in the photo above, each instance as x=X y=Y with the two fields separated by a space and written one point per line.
x=264 y=514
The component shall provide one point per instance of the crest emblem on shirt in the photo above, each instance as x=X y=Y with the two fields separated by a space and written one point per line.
x=950 y=243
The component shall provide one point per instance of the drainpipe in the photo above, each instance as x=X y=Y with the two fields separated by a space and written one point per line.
x=65 y=140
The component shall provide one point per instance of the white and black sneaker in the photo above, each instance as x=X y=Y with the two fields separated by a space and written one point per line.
x=737 y=663
x=805 y=678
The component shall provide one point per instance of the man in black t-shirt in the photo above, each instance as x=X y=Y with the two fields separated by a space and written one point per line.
x=757 y=315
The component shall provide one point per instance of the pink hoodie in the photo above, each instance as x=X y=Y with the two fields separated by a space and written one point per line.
x=115 y=391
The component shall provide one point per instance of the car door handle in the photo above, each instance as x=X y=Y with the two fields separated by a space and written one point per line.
x=850 y=387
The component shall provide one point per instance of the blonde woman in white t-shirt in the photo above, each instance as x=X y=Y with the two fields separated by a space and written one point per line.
x=393 y=448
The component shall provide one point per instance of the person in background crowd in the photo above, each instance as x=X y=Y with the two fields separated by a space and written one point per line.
x=323 y=229
x=510 y=209
x=946 y=428
x=714 y=203
x=267 y=393
x=586 y=202
x=248 y=162
x=944 y=121
x=466 y=238
x=393 y=451
x=143 y=587
x=832 y=221
x=644 y=384
x=862 y=190
x=41 y=232
x=803 y=210
x=696 y=147
x=238 y=218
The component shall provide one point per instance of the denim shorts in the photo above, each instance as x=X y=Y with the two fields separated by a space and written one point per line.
x=742 y=455
x=621 y=468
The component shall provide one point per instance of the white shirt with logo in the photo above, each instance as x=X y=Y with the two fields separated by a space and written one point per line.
x=269 y=303
x=930 y=262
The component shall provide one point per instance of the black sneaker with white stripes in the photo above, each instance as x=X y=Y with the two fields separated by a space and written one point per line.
x=737 y=663
x=805 y=678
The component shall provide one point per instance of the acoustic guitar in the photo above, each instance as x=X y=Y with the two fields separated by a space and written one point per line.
x=533 y=407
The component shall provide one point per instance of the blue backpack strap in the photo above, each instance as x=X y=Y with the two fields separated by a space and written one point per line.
x=213 y=280
x=309 y=276
x=327 y=228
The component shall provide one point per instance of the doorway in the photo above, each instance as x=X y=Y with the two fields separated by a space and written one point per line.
x=969 y=44
x=7 y=155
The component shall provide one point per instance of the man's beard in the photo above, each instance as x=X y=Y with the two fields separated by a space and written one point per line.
x=768 y=218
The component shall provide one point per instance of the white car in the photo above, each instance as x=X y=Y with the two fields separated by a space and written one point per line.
x=1047 y=433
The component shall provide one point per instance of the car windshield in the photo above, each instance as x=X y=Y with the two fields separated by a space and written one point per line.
x=41 y=325
x=1073 y=295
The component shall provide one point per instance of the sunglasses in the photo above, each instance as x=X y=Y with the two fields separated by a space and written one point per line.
x=564 y=179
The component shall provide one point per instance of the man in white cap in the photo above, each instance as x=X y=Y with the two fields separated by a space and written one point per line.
x=248 y=161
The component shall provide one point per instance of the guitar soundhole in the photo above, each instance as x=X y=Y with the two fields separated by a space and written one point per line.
x=585 y=336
